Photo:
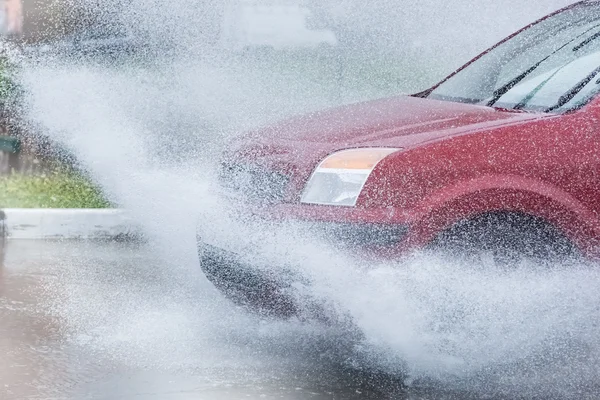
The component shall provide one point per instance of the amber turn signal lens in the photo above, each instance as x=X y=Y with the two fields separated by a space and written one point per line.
x=365 y=159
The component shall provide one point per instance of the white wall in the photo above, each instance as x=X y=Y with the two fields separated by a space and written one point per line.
x=271 y=23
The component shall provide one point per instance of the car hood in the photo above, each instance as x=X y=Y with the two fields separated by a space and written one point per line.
x=395 y=122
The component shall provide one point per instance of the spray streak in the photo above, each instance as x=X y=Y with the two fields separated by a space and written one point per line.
x=424 y=317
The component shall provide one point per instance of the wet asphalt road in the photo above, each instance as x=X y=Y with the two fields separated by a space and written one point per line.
x=114 y=321
x=88 y=320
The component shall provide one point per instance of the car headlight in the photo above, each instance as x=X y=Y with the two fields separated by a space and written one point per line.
x=340 y=178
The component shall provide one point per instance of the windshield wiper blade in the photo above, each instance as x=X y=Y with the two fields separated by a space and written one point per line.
x=570 y=95
x=498 y=93
x=587 y=41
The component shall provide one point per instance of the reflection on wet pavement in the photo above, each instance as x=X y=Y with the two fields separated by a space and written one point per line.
x=104 y=321
x=83 y=320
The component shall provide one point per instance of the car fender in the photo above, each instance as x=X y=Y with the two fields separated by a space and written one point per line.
x=491 y=193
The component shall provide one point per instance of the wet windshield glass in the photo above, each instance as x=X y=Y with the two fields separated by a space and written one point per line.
x=552 y=66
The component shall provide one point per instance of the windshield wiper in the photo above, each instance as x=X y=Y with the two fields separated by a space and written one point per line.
x=587 y=41
x=498 y=93
x=570 y=95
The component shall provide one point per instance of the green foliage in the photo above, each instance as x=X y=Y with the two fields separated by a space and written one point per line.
x=54 y=190
x=10 y=92
x=7 y=84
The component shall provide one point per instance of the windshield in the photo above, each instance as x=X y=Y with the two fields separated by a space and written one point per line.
x=553 y=66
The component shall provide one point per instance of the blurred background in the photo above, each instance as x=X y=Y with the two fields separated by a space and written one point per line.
x=389 y=26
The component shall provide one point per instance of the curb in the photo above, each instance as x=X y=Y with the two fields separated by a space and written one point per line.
x=107 y=224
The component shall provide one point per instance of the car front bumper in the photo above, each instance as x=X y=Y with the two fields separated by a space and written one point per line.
x=274 y=292
x=247 y=285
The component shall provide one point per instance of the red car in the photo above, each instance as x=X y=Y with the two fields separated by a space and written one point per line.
x=500 y=158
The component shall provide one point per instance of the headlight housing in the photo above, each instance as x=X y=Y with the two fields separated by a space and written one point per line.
x=340 y=178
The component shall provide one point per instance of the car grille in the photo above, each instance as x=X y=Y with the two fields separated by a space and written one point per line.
x=254 y=183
